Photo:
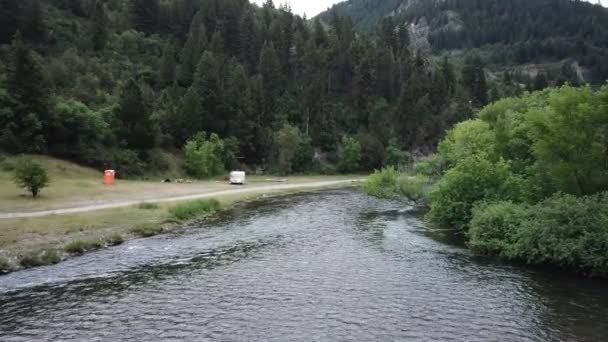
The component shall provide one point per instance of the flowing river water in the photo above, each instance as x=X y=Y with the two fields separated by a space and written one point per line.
x=326 y=266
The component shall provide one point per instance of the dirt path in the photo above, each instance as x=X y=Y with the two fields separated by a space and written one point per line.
x=121 y=204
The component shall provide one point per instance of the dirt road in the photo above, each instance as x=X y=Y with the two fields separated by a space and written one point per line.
x=249 y=189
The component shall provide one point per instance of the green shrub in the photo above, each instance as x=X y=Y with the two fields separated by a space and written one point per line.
x=115 y=240
x=569 y=139
x=204 y=156
x=293 y=150
x=31 y=175
x=147 y=229
x=158 y=160
x=147 y=206
x=468 y=139
x=5 y=266
x=126 y=163
x=349 y=155
x=325 y=168
x=494 y=227
x=82 y=246
x=192 y=210
x=79 y=133
x=564 y=230
x=382 y=184
x=473 y=180
x=40 y=258
x=567 y=231
x=414 y=188
x=432 y=167
x=396 y=157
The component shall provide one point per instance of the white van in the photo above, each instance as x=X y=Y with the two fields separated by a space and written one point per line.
x=237 y=178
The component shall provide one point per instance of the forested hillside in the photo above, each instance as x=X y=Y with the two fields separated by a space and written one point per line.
x=559 y=35
x=112 y=83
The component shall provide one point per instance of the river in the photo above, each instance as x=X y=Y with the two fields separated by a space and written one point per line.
x=326 y=266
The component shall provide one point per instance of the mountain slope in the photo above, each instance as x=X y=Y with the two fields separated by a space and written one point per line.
x=506 y=32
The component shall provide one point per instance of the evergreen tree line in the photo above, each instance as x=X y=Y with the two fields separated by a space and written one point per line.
x=107 y=82
x=507 y=31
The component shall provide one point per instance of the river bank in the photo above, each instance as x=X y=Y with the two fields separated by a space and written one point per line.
x=39 y=240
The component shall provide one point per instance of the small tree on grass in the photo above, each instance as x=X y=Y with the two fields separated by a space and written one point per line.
x=31 y=175
x=204 y=156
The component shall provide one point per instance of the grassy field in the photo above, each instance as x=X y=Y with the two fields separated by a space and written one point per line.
x=72 y=185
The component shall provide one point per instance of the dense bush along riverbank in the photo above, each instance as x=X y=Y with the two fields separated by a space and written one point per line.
x=526 y=180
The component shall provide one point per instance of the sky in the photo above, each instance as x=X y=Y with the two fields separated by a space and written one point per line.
x=314 y=7
x=310 y=7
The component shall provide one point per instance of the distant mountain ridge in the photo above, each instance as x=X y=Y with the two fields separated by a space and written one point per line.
x=504 y=32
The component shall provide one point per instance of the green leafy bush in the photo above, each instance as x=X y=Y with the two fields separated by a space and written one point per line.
x=292 y=150
x=473 y=180
x=414 y=188
x=569 y=139
x=204 y=156
x=79 y=133
x=567 y=231
x=349 y=155
x=432 y=167
x=126 y=163
x=468 y=139
x=564 y=230
x=494 y=227
x=31 y=175
x=383 y=183
x=192 y=210
x=395 y=156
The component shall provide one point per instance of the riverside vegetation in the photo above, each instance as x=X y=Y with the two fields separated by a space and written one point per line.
x=526 y=180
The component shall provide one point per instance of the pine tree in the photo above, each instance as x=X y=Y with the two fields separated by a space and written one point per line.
x=192 y=51
x=320 y=36
x=270 y=68
x=144 y=15
x=166 y=72
x=540 y=82
x=248 y=54
x=207 y=86
x=10 y=12
x=100 y=26
x=449 y=75
x=238 y=105
x=27 y=118
x=474 y=79
x=136 y=129
x=217 y=43
x=33 y=26
x=191 y=119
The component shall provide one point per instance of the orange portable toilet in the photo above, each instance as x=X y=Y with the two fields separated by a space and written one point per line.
x=109 y=177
